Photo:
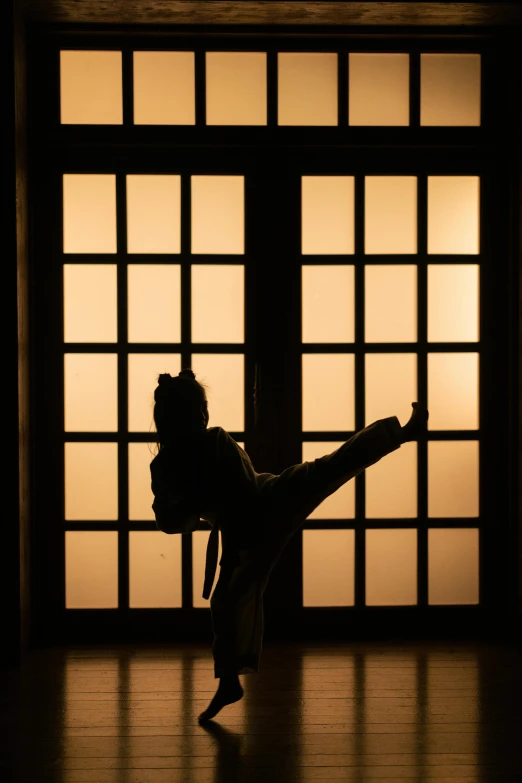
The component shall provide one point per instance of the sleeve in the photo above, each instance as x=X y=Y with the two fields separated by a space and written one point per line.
x=175 y=516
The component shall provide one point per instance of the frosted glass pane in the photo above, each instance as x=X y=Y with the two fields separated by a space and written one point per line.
x=164 y=92
x=153 y=213
x=236 y=88
x=154 y=570
x=328 y=305
x=140 y=493
x=453 y=303
x=89 y=213
x=154 y=303
x=218 y=303
x=89 y=303
x=91 y=481
x=391 y=567
x=328 y=392
x=453 y=391
x=453 y=566
x=144 y=369
x=453 y=215
x=391 y=485
x=328 y=567
x=341 y=504
x=327 y=215
x=91 y=569
x=450 y=89
x=390 y=216
x=218 y=214
x=379 y=89
x=391 y=385
x=199 y=552
x=453 y=478
x=91 y=392
x=390 y=307
x=224 y=376
x=90 y=88
x=307 y=88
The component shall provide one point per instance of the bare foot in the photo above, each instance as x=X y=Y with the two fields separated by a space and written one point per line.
x=228 y=692
x=417 y=423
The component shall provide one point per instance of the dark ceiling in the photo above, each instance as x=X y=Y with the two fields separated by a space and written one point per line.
x=274 y=12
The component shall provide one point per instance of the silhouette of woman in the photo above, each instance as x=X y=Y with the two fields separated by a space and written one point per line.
x=200 y=472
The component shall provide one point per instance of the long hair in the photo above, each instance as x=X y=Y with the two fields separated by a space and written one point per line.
x=177 y=405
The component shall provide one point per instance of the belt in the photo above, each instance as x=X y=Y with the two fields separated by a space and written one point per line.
x=211 y=561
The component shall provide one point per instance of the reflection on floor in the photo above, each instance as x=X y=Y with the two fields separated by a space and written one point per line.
x=358 y=712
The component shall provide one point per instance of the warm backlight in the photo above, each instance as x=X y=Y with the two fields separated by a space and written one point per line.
x=341 y=503
x=164 y=92
x=90 y=88
x=89 y=213
x=391 y=567
x=91 y=569
x=453 y=566
x=453 y=215
x=154 y=570
x=224 y=377
x=328 y=392
x=453 y=478
x=453 y=391
x=453 y=303
x=391 y=385
x=154 y=303
x=390 y=217
x=328 y=304
x=328 y=567
x=91 y=481
x=450 y=89
x=327 y=208
x=218 y=303
x=307 y=88
x=89 y=303
x=218 y=214
x=144 y=369
x=91 y=392
x=390 y=305
x=379 y=89
x=391 y=485
x=153 y=213
x=140 y=493
x=236 y=88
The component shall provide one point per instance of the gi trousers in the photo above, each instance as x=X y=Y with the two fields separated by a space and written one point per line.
x=285 y=502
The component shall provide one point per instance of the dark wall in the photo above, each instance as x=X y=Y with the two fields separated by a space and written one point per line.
x=14 y=550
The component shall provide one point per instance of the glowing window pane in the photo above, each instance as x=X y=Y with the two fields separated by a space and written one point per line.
x=153 y=213
x=390 y=217
x=327 y=215
x=144 y=369
x=453 y=479
x=91 y=481
x=236 y=88
x=453 y=391
x=307 y=89
x=453 y=215
x=328 y=304
x=391 y=385
x=328 y=567
x=154 y=570
x=91 y=392
x=391 y=567
x=91 y=88
x=91 y=569
x=140 y=493
x=450 y=89
x=89 y=303
x=224 y=377
x=328 y=392
x=391 y=485
x=453 y=566
x=89 y=213
x=218 y=303
x=164 y=92
x=199 y=553
x=341 y=503
x=390 y=308
x=453 y=303
x=379 y=89
x=154 y=303
x=218 y=214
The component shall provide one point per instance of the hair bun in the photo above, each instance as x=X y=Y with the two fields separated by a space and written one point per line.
x=187 y=373
x=164 y=378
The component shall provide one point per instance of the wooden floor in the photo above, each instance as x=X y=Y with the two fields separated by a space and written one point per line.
x=363 y=712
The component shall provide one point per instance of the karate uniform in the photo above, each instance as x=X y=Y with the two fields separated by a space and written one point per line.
x=206 y=475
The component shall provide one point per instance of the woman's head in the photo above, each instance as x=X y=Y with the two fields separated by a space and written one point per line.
x=180 y=405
